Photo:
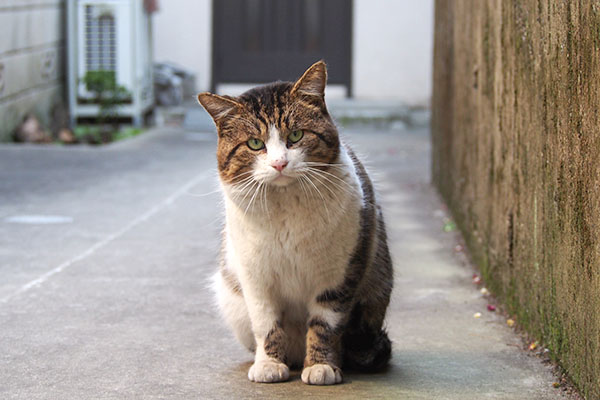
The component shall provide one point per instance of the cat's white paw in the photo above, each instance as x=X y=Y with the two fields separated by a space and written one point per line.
x=321 y=374
x=268 y=372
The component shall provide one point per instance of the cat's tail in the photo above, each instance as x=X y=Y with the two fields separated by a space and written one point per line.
x=366 y=350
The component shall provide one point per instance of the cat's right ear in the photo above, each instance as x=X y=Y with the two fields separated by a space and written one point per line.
x=219 y=107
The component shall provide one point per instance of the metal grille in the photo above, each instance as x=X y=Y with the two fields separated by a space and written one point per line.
x=100 y=40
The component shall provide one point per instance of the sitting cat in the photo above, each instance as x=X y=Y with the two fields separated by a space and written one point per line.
x=306 y=275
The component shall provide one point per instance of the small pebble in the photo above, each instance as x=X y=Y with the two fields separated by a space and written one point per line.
x=477 y=315
x=438 y=213
x=491 y=307
x=484 y=291
x=510 y=322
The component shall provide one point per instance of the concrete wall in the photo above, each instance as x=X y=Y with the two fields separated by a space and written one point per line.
x=516 y=139
x=31 y=60
x=392 y=45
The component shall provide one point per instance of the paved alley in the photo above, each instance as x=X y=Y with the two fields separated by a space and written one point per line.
x=105 y=260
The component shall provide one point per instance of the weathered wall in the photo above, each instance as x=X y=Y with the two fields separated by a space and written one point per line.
x=31 y=60
x=516 y=142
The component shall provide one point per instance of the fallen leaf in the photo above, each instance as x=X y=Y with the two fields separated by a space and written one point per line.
x=449 y=226
x=533 y=345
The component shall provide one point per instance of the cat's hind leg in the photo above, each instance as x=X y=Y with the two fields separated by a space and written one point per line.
x=232 y=305
x=366 y=346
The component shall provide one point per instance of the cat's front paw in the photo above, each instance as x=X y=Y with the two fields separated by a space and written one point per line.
x=321 y=374
x=268 y=372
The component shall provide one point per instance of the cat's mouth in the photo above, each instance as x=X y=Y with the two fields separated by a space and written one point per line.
x=281 y=180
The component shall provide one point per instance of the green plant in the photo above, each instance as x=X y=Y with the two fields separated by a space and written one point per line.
x=126 y=133
x=88 y=133
x=107 y=93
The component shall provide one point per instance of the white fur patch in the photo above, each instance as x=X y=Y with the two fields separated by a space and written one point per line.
x=284 y=256
x=326 y=314
x=276 y=148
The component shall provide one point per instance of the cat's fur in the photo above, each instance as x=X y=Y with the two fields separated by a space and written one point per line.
x=305 y=276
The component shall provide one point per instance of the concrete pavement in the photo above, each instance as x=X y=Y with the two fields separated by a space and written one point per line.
x=115 y=303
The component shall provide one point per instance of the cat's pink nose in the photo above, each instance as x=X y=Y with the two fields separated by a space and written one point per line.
x=279 y=165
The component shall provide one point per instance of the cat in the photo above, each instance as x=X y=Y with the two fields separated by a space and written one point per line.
x=305 y=275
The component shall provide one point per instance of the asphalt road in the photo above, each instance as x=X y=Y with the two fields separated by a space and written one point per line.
x=106 y=253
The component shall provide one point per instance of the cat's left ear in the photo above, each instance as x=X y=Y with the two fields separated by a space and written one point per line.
x=313 y=82
x=219 y=107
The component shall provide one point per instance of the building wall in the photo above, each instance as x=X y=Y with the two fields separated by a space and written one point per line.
x=392 y=45
x=183 y=35
x=516 y=134
x=31 y=60
x=392 y=50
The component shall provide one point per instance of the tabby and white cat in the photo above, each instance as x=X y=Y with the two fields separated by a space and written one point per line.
x=305 y=275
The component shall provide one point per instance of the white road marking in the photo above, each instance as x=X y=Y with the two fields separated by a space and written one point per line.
x=144 y=217
x=38 y=219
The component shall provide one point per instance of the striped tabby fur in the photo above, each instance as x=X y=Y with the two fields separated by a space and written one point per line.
x=305 y=275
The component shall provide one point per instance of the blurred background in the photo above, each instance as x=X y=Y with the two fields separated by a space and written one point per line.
x=110 y=209
x=94 y=71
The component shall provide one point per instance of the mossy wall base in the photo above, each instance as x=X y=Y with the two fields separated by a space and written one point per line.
x=516 y=155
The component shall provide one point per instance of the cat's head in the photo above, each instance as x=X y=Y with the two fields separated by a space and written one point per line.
x=274 y=134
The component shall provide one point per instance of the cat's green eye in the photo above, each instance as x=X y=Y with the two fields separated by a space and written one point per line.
x=295 y=136
x=256 y=144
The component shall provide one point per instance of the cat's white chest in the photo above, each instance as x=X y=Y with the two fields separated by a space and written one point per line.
x=297 y=245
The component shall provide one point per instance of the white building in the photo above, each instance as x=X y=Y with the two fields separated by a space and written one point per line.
x=390 y=45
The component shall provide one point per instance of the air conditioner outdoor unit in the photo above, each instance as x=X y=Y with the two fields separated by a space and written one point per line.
x=110 y=39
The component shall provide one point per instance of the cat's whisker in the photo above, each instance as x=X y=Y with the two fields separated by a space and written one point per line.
x=333 y=176
x=332 y=183
x=244 y=173
x=256 y=195
x=349 y=188
x=320 y=195
x=318 y=179
x=235 y=183
x=242 y=187
x=243 y=179
x=334 y=194
x=265 y=202
x=251 y=203
x=321 y=164
x=325 y=167
x=337 y=185
x=300 y=181
x=202 y=194
x=249 y=190
x=242 y=190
